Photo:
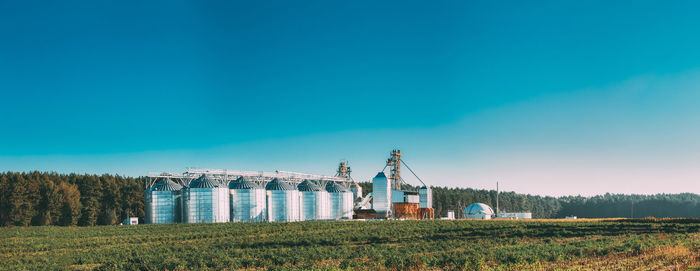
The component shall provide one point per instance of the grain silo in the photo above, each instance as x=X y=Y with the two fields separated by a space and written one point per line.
x=341 y=201
x=205 y=201
x=356 y=191
x=163 y=202
x=425 y=197
x=315 y=202
x=248 y=203
x=282 y=201
x=381 y=195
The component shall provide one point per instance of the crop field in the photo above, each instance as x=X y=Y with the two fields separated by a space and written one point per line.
x=641 y=244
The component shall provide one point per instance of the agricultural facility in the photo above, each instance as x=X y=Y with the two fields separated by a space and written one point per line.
x=210 y=196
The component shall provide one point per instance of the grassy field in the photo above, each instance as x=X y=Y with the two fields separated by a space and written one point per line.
x=645 y=244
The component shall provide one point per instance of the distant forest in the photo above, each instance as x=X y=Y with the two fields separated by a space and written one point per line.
x=603 y=206
x=41 y=198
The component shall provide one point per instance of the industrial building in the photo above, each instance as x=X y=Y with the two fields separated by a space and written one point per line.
x=483 y=211
x=506 y=215
x=205 y=196
x=516 y=215
x=210 y=196
x=478 y=211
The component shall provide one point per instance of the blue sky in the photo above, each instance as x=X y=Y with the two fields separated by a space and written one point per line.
x=549 y=98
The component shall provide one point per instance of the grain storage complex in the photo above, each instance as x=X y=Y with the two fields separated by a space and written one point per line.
x=211 y=196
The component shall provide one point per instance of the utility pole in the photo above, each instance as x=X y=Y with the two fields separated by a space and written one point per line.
x=632 y=210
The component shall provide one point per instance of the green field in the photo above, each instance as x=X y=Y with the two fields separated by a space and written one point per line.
x=646 y=244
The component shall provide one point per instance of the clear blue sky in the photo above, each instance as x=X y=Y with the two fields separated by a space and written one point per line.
x=549 y=98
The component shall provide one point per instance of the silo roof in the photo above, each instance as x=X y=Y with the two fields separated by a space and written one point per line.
x=166 y=185
x=333 y=187
x=307 y=185
x=478 y=208
x=277 y=184
x=380 y=175
x=244 y=183
x=205 y=181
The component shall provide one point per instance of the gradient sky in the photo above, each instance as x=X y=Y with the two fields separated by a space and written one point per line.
x=548 y=98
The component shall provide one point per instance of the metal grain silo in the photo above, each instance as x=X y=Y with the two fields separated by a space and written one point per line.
x=426 y=197
x=282 y=201
x=315 y=202
x=341 y=201
x=205 y=201
x=163 y=202
x=356 y=191
x=248 y=203
x=381 y=195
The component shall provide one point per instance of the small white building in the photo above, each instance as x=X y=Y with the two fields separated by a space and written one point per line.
x=517 y=215
x=131 y=221
x=478 y=211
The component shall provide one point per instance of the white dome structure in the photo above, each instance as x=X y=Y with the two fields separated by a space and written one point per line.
x=478 y=211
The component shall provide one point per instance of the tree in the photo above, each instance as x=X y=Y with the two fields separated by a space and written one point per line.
x=69 y=198
x=49 y=202
x=4 y=199
x=90 y=195
x=107 y=217
x=21 y=209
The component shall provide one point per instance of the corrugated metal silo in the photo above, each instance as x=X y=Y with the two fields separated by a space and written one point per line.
x=205 y=201
x=426 y=197
x=356 y=191
x=248 y=203
x=341 y=201
x=163 y=202
x=315 y=202
x=381 y=195
x=282 y=201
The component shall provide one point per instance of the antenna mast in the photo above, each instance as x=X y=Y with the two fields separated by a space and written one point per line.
x=497 y=210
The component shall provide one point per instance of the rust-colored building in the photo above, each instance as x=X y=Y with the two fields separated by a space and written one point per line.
x=405 y=210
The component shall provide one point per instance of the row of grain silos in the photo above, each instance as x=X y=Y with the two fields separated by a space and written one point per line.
x=209 y=200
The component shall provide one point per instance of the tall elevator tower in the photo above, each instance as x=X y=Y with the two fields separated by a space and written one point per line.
x=394 y=163
x=343 y=170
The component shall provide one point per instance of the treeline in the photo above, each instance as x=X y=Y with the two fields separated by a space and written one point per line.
x=603 y=206
x=41 y=198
